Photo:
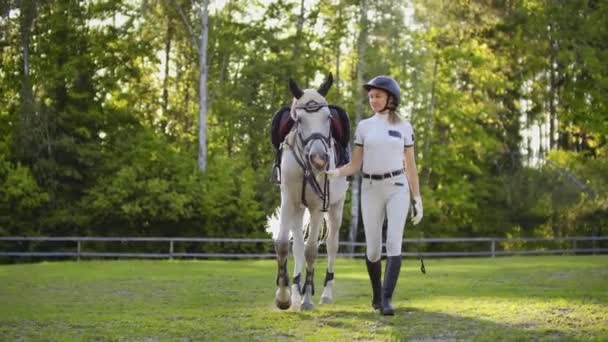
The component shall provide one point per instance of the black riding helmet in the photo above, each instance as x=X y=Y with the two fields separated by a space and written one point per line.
x=387 y=84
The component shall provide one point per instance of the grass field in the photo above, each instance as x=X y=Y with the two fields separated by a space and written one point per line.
x=511 y=298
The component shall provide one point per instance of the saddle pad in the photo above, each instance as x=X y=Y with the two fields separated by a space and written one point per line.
x=280 y=126
x=340 y=125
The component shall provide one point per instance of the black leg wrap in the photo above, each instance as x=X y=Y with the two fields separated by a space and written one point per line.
x=297 y=281
x=310 y=275
x=282 y=276
x=391 y=274
x=282 y=250
x=374 y=269
x=328 y=277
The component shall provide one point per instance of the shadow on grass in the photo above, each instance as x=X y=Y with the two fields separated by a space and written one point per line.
x=413 y=324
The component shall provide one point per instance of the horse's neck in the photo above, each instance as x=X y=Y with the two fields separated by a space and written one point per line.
x=290 y=138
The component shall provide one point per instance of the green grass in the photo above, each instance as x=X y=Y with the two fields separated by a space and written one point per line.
x=514 y=298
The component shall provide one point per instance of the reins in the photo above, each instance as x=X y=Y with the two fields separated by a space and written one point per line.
x=309 y=176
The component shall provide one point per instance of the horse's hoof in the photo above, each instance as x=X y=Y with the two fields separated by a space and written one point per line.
x=283 y=305
x=327 y=296
x=296 y=298
x=326 y=300
x=282 y=298
x=307 y=306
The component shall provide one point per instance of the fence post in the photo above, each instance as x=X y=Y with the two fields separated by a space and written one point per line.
x=170 y=249
x=493 y=248
x=78 y=250
x=593 y=241
x=574 y=247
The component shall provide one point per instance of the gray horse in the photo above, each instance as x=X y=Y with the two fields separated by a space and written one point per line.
x=308 y=150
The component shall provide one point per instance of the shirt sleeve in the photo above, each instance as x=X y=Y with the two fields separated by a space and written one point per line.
x=408 y=136
x=359 y=135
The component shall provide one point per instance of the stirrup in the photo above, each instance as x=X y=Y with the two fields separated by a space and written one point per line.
x=275 y=175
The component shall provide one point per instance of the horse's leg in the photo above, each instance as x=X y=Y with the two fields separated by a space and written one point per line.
x=282 y=296
x=298 y=257
x=333 y=226
x=310 y=254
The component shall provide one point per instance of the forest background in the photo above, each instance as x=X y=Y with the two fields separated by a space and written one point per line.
x=99 y=111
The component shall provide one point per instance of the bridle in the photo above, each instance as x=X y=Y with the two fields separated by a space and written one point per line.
x=303 y=159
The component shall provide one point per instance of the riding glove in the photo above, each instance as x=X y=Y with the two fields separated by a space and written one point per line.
x=416 y=210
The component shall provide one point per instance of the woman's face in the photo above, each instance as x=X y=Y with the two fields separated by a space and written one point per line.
x=377 y=100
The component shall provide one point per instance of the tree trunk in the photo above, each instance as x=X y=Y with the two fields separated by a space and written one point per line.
x=168 y=40
x=356 y=196
x=299 y=28
x=25 y=139
x=552 y=87
x=429 y=120
x=202 y=117
x=338 y=51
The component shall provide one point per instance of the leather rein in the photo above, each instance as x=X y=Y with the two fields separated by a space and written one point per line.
x=304 y=161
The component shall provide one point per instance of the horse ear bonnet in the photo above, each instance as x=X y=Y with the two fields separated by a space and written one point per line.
x=282 y=124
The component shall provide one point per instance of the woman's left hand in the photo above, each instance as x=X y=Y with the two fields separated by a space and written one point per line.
x=416 y=210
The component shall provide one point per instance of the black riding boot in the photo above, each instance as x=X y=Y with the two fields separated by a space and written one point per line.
x=391 y=274
x=374 y=269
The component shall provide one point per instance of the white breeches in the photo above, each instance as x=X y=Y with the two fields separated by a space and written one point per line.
x=380 y=199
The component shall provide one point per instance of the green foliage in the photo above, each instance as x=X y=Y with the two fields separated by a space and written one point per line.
x=148 y=183
x=153 y=188
x=100 y=134
x=20 y=197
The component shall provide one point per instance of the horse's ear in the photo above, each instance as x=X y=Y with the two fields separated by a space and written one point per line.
x=295 y=90
x=324 y=88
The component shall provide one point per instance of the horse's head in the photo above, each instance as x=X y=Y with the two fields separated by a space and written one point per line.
x=312 y=116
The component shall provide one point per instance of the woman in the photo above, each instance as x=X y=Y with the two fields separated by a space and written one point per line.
x=384 y=145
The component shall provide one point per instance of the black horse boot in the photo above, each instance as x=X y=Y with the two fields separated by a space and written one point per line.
x=374 y=269
x=391 y=274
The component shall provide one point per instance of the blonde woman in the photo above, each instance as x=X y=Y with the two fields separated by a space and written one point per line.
x=384 y=152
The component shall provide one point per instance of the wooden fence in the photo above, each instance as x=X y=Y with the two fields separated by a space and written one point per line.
x=494 y=247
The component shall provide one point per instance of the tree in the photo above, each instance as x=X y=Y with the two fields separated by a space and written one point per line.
x=201 y=46
x=361 y=65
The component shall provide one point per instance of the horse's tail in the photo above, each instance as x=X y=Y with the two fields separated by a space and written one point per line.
x=273 y=224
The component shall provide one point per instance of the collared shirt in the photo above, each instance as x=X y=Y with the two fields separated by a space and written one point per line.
x=383 y=143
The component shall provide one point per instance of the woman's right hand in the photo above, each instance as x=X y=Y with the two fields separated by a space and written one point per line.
x=333 y=173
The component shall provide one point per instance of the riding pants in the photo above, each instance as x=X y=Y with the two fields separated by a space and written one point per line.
x=388 y=198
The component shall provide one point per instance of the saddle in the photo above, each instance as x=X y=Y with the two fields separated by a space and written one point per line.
x=282 y=123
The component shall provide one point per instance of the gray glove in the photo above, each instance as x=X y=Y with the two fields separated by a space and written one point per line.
x=416 y=210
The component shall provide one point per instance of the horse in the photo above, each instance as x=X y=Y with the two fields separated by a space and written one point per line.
x=307 y=150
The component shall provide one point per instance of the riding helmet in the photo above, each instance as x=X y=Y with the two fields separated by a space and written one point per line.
x=387 y=84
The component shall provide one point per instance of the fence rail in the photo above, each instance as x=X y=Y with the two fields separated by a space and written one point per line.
x=491 y=251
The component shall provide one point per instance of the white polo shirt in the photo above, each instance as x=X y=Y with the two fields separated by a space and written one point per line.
x=383 y=143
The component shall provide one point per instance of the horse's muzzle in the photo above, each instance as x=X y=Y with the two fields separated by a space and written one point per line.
x=319 y=160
